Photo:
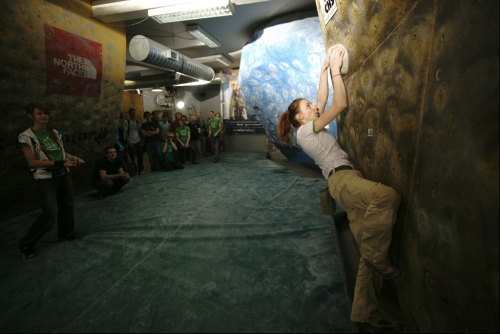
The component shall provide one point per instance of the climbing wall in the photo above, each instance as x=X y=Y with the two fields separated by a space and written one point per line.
x=55 y=53
x=423 y=118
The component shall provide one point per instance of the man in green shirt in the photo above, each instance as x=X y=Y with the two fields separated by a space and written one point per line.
x=214 y=133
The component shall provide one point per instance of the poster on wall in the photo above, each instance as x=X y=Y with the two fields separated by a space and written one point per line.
x=328 y=8
x=236 y=117
x=74 y=63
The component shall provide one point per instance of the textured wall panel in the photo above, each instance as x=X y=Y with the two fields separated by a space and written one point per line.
x=132 y=100
x=87 y=123
x=453 y=220
x=423 y=75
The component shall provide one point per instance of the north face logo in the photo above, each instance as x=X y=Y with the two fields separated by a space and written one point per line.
x=77 y=66
x=74 y=63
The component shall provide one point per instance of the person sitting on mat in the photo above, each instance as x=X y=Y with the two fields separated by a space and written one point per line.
x=371 y=207
x=109 y=176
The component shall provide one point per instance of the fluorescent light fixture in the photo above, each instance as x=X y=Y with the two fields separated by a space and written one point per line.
x=216 y=57
x=157 y=88
x=222 y=59
x=192 y=11
x=196 y=83
x=203 y=36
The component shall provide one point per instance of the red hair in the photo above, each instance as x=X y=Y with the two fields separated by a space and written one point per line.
x=287 y=120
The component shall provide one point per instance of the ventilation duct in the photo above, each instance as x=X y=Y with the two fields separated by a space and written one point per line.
x=149 y=52
x=163 y=80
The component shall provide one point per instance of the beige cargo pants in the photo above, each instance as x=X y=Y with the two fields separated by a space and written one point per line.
x=372 y=209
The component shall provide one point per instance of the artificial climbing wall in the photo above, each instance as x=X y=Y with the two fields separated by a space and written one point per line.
x=54 y=52
x=133 y=100
x=423 y=118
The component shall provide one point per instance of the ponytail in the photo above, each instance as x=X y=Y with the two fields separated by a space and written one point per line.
x=286 y=121
x=285 y=131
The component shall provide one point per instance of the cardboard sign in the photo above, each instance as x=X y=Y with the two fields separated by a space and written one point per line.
x=328 y=8
x=74 y=63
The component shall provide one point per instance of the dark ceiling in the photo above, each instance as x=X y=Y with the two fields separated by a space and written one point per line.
x=232 y=31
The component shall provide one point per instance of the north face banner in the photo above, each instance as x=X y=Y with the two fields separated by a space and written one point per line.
x=74 y=63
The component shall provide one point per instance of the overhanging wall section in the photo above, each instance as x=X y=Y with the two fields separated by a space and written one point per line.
x=423 y=76
x=88 y=122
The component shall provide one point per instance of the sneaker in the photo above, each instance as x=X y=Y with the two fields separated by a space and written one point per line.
x=28 y=253
x=67 y=238
x=383 y=326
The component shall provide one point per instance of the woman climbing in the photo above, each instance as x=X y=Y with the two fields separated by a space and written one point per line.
x=371 y=207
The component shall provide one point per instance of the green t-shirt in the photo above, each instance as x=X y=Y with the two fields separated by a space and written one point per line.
x=168 y=156
x=214 y=125
x=51 y=150
x=183 y=133
x=49 y=147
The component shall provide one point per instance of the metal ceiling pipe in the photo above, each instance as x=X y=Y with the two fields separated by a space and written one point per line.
x=149 y=52
x=162 y=80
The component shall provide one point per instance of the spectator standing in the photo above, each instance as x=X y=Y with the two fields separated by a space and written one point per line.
x=175 y=123
x=155 y=116
x=109 y=176
x=194 y=142
x=150 y=130
x=203 y=134
x=210 y=149
x=164 y=126
x=182 y=132
x=214 y=133
x=43 y=149
x=132 y=133
x=120 y=145
x=221 y=145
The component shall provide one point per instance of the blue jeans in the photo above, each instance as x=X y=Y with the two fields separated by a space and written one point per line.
x=215 y=146
x=153 y=150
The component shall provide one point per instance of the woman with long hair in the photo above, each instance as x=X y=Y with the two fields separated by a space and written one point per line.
x=371 y=207
x=49 y=163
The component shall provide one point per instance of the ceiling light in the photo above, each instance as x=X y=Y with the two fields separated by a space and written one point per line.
x=192 y=11
x=203 y=36
x=216 y=57
x=196 y=83
x=222 y=59
x=180 y=105
x=156 y=88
